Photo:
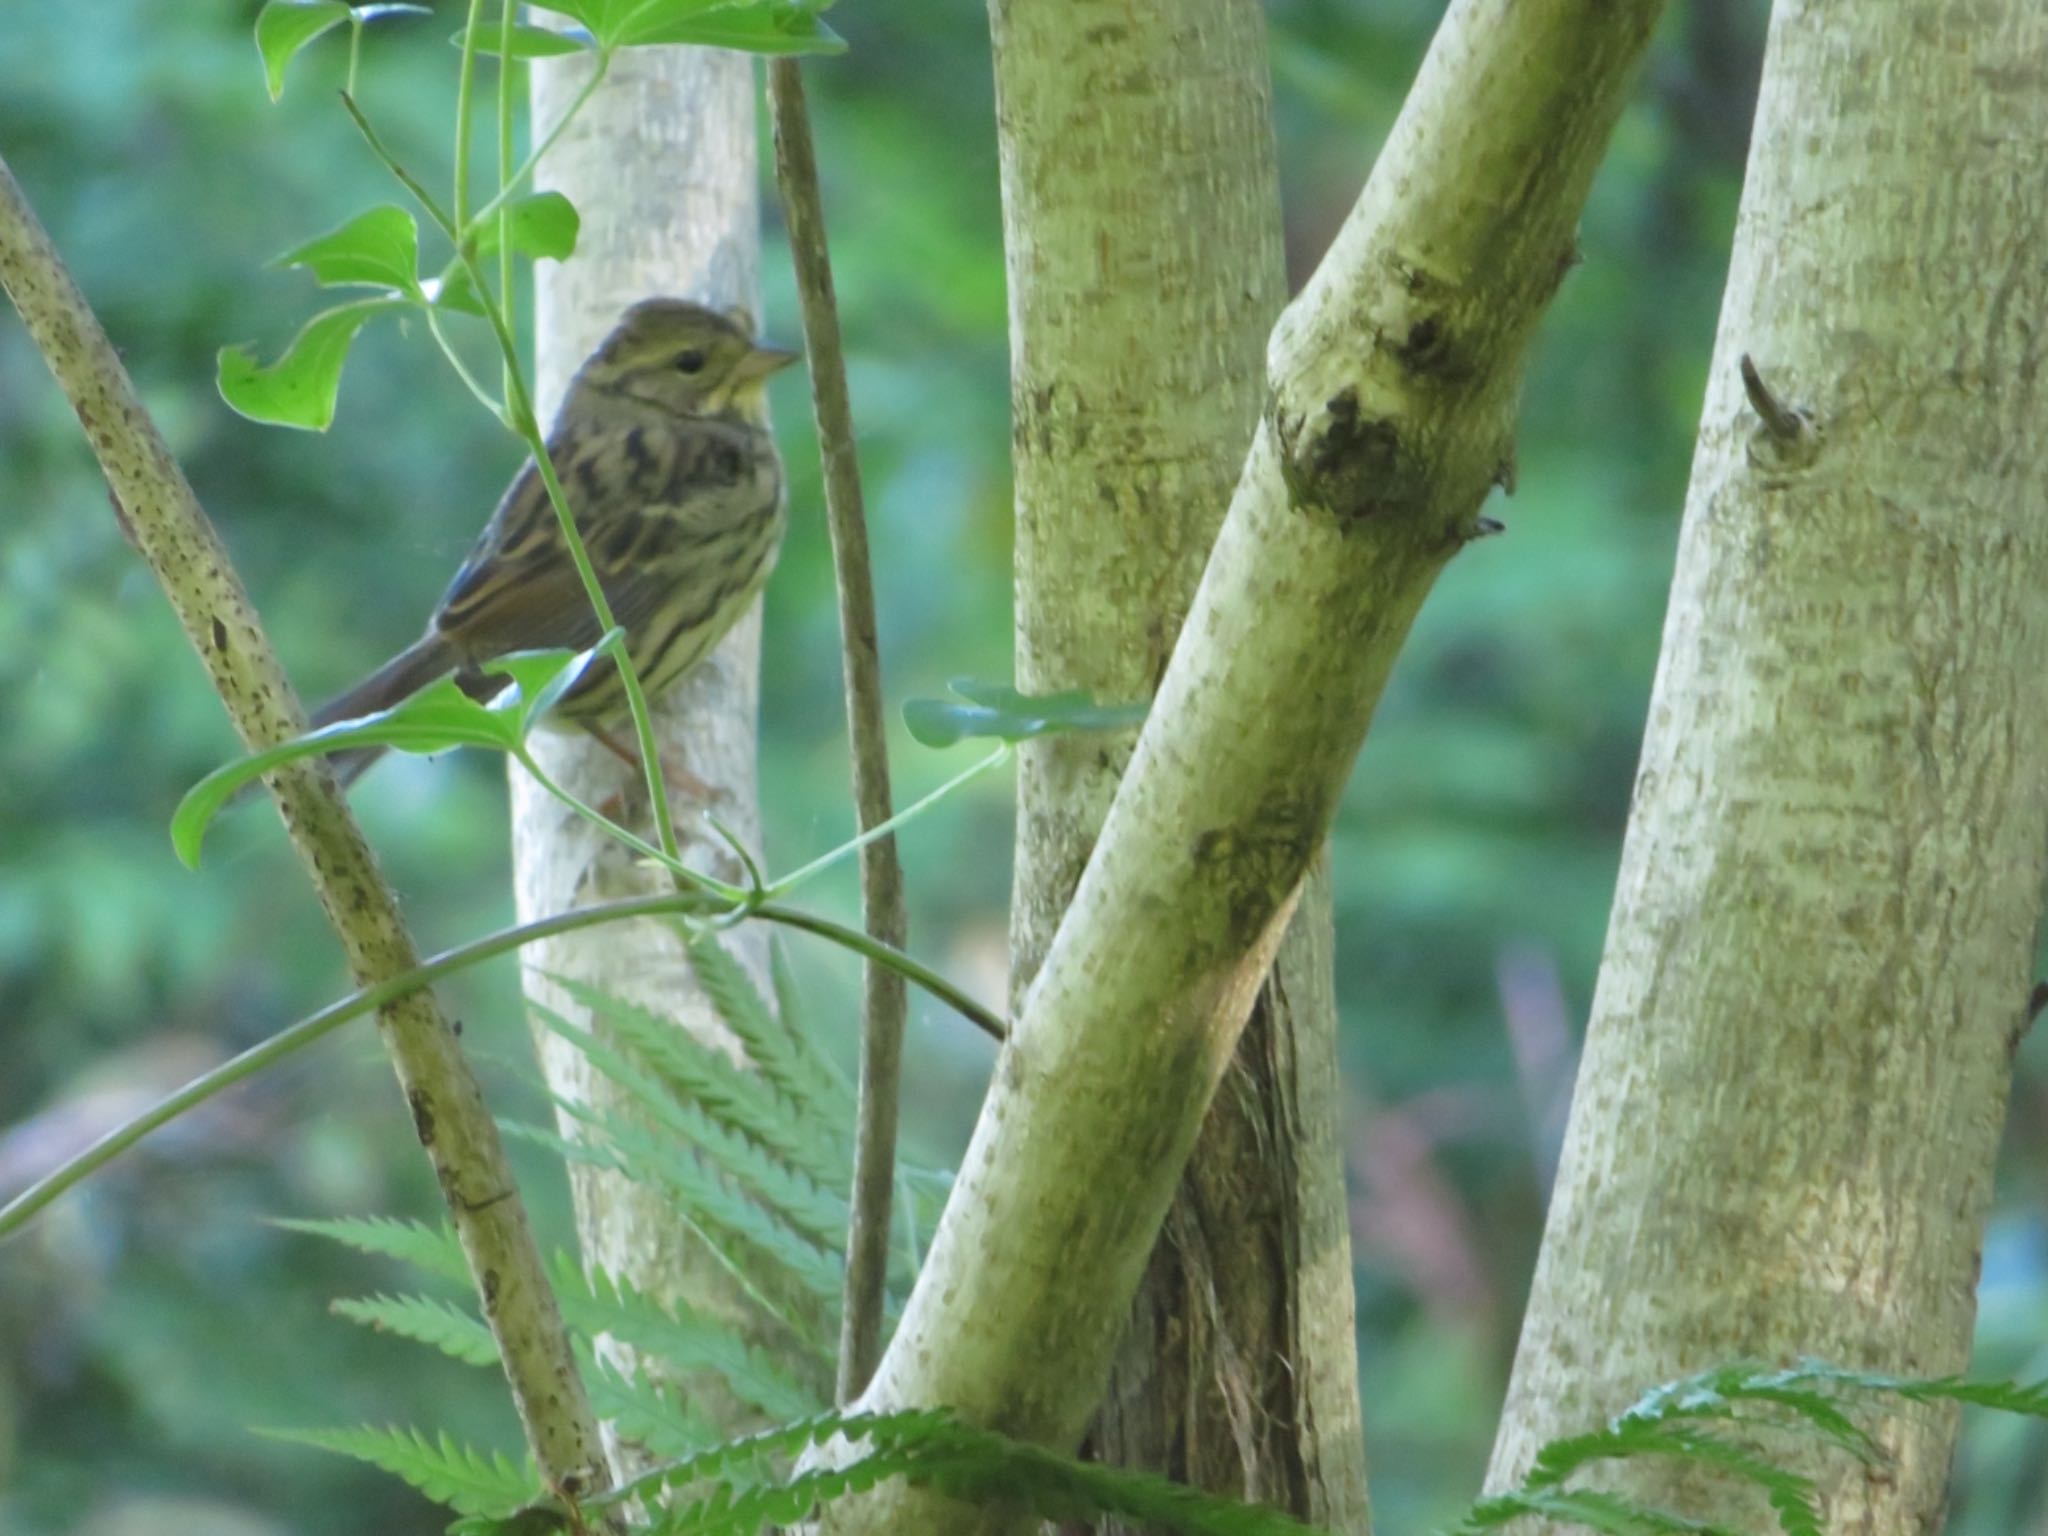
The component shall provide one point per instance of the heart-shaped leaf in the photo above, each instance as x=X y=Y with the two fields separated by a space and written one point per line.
x=378 y=249
x=298 y=390
x=283 y=27
x=539 y=224
x=1000 y=712
x=438 y=717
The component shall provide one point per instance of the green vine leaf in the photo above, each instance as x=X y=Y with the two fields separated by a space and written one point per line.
x=754 y=26
x=378 y=249
x=539 y=224
x=768 y=28
x=999 y=711
x=299 y=389
x=283 y=27
x=438 y=717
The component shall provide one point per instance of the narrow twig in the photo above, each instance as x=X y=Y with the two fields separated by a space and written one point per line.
x=173 y=534
x=295 y=1037
x=881 y=876
x=1785 y=423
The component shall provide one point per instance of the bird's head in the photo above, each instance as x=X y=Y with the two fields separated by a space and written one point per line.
x=687 y=360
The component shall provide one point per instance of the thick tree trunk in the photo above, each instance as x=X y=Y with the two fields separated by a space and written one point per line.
x=1142 y=224
x=662 y=165
x=1817 y=967
x=1393 y=386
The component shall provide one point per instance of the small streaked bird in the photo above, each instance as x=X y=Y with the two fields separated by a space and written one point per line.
x=663 y=450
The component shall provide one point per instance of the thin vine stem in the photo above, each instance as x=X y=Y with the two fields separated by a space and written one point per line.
x=390 y=162
x=519 y=406
x=598 y=71
x=464 y=83
x=883 y=908
x=296 y=1037
x=824 y=861
x=497 y=202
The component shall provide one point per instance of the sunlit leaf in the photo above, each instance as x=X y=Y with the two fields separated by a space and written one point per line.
x=440 y=716
x=753 y=26
x=283 y=27
x=380 y=248
x=298 y=390
x=530 y=42
x=999 y=711
x=539 y=224
x=380 y=12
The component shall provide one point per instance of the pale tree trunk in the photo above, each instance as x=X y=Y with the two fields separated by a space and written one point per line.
x=1818 y=962
x=662 y=166
x=1142 y=228
x=1393 y=384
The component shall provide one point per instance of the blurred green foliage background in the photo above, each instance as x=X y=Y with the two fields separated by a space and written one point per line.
x=149 y=1322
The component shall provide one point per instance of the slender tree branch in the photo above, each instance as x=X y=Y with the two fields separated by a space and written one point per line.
x=455 y=1127
x=881 y=875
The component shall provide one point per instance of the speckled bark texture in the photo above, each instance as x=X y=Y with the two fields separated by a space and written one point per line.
x=662 y=166
x=1392 y=385
x=1142 y=229
x=447 y=1108
x=1818 y=961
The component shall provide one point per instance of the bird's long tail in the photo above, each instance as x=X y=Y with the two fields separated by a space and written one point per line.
x=407 y=672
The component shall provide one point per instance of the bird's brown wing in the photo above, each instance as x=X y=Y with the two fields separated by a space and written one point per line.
x=688 y=487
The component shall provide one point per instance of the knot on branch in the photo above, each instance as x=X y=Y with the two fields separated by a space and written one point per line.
x=1350 y=462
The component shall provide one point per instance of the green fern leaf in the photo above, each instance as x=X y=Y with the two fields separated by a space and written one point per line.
x=1792 y=1498
x=432 y=1249
x=642 y=1414
x=779 y=1046
x=799 y=1132
x=467 y=1480
x=604 y=1303
x=1607 y=1513
x=663 y=1165
x=717 y=1207
x=424 y=1320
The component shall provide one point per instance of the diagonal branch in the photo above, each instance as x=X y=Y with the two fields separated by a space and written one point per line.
x=881 y=876
x=175 y=537
x=1394 y=379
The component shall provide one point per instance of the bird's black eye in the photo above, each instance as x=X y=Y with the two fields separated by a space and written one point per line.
x=691 y=361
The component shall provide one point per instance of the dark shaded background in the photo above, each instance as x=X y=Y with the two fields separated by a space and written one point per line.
x=150 y=1321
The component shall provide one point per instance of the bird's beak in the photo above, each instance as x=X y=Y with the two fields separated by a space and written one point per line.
x=764 y=360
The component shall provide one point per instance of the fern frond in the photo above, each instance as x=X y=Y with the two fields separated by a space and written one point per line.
x=716 y=1203
x=467 y=1480
x=798 y=1131
x=932 y=1448
x=783 y=1443
x=1792 y=1497
x=432 y=1249
x=2029 y=1401
x=605 y=1303
x=641 y=1413
x=1607 y=1513
x=716 y=1242
x=819 y=1214
x=778 y=1039
x=424 y=1320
